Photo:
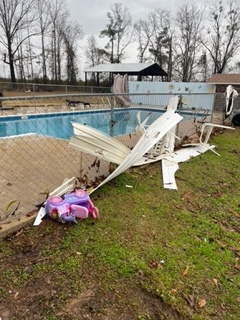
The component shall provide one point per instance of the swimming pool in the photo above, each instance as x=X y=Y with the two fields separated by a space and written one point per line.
x=58 y=125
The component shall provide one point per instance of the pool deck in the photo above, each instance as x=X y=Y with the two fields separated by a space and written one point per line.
x=41 y=164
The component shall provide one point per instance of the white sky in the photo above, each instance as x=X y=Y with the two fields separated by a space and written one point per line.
x=92 y=16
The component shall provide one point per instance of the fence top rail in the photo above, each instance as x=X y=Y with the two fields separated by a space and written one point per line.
x=76 y=95
x=31 y=84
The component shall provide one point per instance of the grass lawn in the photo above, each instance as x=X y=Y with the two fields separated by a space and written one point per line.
x=153 y=254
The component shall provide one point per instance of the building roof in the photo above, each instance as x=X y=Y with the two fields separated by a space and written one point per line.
x=222 y=78
x=148 y=69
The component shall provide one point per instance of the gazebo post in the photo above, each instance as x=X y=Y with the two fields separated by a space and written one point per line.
x=98 y=79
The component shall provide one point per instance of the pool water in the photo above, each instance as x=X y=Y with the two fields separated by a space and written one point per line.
x=58 y=125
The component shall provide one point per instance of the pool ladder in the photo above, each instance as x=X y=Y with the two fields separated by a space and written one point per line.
x=205 y=114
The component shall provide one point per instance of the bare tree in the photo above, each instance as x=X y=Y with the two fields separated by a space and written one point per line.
x=15 y=17
x=155 y=36
x=43 y=24
x=203 y=67
x=144 y=33
x=189 y=20
x=72 y=32
x=65 y=35
x=237 y=67
x=161 y=41
x=59 y=16
x=119 y=31
x=20 y=58
x=94 y=54
x=223 y=34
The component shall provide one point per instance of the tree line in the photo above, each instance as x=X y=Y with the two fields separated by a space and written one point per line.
x=40 y=40
x=194 y=43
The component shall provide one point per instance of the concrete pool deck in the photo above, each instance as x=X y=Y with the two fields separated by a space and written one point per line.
x=31 y=166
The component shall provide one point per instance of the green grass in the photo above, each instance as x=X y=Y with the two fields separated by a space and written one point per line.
x=192 y=236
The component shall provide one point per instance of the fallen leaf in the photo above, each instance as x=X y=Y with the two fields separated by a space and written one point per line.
x=236 y=265
x=15 y=295
x=238 y=299
x=140 y=273
x=94 y=163
x=233 y=212
x=154 y=264
x=233 y=248
x=18 y=233
x=202 y=303
x=178 y=207
x=215 y=282
x=223 y=245
x=217 y=194
x=185 y=272
x=191 y=300
x=186 y=196
x=173 y=291
x=164 y=242
x=31 y=213
x=222 y=306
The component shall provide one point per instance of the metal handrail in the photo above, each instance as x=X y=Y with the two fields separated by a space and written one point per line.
x=206 y=112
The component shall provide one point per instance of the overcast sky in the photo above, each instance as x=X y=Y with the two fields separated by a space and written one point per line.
x=92 y=16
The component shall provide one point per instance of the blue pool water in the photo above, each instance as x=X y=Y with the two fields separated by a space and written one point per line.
x=58 y=125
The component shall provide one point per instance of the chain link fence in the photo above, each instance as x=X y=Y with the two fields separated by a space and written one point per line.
x=35 y=156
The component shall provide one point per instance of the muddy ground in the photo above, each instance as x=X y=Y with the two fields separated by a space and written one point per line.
x=26 y=295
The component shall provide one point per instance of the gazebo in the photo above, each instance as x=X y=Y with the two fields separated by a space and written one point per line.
x=139 y=70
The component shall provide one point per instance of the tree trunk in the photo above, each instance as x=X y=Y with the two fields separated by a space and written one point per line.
x=44 y=68
x=11 y=64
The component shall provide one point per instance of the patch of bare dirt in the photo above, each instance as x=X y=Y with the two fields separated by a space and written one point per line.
x=125 y=300
x=121 y=303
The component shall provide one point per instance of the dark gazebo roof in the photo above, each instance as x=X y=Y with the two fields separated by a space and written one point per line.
x=132 y=69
